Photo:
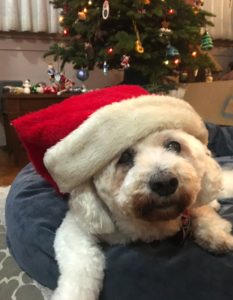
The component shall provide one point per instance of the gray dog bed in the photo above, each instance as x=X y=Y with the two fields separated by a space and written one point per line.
x=161 y=270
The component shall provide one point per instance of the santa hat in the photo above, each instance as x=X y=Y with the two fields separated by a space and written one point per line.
x=113 y=126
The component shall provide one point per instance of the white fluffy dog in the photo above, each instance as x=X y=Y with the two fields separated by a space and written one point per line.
x=140 y=193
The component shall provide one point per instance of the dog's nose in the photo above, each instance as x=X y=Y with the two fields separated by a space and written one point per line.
x=163 y=187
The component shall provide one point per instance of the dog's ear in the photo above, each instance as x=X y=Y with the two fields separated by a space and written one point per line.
x=90 y=211
x=211 y=183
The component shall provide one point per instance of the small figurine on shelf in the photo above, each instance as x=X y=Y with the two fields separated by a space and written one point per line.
x=27 y=87
x=66 y=85
x=50 y=89
x=40 y=87
x=51 y=72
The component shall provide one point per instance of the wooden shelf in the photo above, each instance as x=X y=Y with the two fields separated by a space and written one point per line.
x=14 y=106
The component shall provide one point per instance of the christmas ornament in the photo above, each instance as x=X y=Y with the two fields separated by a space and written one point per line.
x=40 y=87
x=171 y=11
x=82 y=16
x=65 y=85
x=173 y=55
x=57 y=77
x=105 y=68
x=109 y=51
x=51 y=72
x=138 y=44
x=105 y=10
x=125 y=61
x=27 y=87
x=34 y=89
x=50 y=90
x=165 y=32
x=206 y=42
x=147 y=2
x=82 y=74
x=65 y=31
x=172 y=52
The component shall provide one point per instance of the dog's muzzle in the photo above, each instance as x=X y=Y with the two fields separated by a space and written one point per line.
x=164 y=185
x=165 y=201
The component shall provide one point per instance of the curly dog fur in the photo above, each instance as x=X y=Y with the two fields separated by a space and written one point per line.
x=140 y=195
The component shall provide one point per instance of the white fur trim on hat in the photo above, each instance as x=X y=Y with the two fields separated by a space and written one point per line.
x=112 y=129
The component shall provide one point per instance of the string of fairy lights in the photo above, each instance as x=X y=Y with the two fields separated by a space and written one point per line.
x=172 y=55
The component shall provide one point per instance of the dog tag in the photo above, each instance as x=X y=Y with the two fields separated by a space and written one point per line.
x=186 y=228
x=185 y=231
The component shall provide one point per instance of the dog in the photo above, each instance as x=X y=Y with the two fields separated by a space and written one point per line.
x=141 y=194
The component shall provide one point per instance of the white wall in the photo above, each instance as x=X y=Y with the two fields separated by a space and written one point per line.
x=22 y=58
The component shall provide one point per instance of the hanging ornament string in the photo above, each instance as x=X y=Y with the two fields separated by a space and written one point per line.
x=105 y=9
x=138 y=44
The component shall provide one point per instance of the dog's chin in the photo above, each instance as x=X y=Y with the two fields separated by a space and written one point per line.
x=152 y=209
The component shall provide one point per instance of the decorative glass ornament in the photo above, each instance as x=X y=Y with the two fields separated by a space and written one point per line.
x=172 y=52
x=51 y=71
x=138 y=47
x=206 y=42
x=65 y=31
x=171 y=11
x=125 y=61
x=105 y=10
x=82 y=74
x=82 y=16
x=109 y=51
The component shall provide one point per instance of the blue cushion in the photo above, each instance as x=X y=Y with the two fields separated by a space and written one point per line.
x=160 y=270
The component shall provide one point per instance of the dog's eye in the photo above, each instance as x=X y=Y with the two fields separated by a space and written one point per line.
x=127 y=157
x=173 y=146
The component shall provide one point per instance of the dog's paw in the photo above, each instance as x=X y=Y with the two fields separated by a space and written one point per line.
x=216 y=238
x=221 y=243
x=215 y=205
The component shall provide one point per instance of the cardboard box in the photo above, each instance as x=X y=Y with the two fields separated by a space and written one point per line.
x=213 y=101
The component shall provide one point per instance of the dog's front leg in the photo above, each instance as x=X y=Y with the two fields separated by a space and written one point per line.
x=210 y=230
x=81 y=262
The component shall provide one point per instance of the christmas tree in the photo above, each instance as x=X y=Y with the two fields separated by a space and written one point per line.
x=148 y=39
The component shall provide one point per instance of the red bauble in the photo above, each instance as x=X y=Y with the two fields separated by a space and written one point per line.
x=65 y=31
x=171 y=11
x=109 y=51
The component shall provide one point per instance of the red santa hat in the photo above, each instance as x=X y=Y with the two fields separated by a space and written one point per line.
x=83 y=134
